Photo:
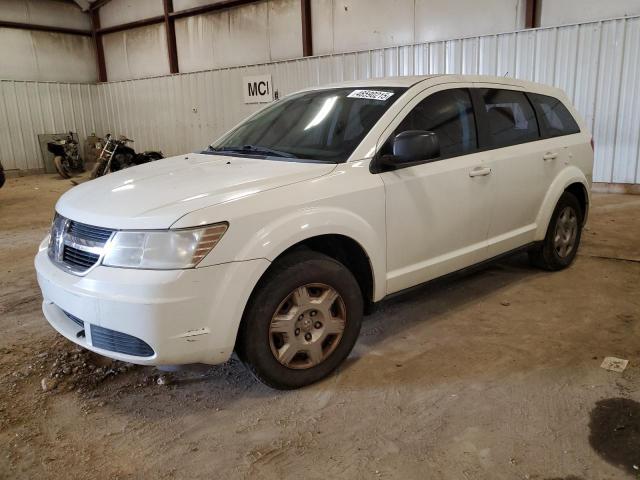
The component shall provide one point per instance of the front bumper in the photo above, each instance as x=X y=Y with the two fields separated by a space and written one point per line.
x=185 y=316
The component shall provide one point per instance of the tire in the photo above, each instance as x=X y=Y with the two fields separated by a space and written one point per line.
x=300 y=347
x=61 y=167
x=98 y=169
x=560 y=245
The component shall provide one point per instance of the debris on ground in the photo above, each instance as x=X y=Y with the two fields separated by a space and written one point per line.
x=48 y=384
x=614 y=364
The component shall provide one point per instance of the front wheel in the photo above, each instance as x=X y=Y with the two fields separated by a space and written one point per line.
x=560 y=245
x=301 y=322
x=61 y=166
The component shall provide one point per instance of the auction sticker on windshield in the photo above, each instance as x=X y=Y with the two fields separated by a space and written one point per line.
x=370 y=94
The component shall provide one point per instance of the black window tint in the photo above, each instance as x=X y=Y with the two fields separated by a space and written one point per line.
x=448 y=113
x=555 y=119
x=510 y=117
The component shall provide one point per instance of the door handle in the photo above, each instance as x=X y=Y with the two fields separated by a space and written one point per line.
x=550 y=156
x=480 y=172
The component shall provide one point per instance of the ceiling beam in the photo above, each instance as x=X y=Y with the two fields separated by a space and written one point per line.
x=99 y=3
x=45 y=28
x=212 y=7
x=172 y=16
x=135 y=24
x=170 y=28
x=83 y=4
x=307 y=38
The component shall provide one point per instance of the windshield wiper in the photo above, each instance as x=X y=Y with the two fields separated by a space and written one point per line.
x=255 y=149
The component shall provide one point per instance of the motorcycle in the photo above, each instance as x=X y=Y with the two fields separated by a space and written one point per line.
x=66 y=157
x=117 y=155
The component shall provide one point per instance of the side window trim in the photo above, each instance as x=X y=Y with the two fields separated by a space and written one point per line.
x=544 y=134
x=484 y=135
x=374 y=166
x=542 y=126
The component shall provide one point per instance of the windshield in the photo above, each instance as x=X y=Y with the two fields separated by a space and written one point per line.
x=325 y=125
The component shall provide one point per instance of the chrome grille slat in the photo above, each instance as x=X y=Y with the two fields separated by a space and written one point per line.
x=89 y=232
x=77 y=247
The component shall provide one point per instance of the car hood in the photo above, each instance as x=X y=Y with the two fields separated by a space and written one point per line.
x=157 y=194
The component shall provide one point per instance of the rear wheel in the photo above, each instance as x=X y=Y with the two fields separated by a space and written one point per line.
x=562 y=240
x=302 y=321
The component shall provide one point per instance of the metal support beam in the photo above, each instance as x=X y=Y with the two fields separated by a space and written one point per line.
x=531 y=14
x=307 y=38
x=213 y=7
x=130 y=25
x=83 y=4
x=99 y=3
x=45 y=28
x=170 y=28
x=97 y=40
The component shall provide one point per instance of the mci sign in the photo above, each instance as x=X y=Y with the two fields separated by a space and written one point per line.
x=257 y=89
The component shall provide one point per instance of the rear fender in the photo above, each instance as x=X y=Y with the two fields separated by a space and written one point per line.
x=566 y=177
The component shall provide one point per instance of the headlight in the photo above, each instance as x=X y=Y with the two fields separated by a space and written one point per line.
x=163 y=250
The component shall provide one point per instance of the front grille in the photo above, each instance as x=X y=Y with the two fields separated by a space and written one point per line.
x=119 y=342
x=89 y=232
x=76 y=247
x=74 y=319
x=78 y=258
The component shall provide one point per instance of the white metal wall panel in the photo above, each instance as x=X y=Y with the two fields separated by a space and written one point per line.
x=46 y=56
x=136 y=53
x=595 y=63
x=45 y=12
x=31 y=108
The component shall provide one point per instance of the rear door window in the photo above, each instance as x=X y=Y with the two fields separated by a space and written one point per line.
x=510 y=117
x=555 y=119
x=448 y=113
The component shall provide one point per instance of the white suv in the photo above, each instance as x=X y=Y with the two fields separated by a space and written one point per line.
x=276 y=239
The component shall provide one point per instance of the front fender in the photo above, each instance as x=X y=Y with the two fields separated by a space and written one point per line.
x=285 y=231
x=566 y=177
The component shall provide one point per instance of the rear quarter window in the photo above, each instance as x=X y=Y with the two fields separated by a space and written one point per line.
x=555 y=119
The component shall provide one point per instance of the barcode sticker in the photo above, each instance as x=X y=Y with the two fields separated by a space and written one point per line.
x=371 y=95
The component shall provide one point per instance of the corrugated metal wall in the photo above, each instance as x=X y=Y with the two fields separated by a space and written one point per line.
x=597 y=64
x=30 y=108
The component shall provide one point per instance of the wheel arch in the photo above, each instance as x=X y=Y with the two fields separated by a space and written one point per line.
x=341 y=248
x=582 y=195
x=571 y=179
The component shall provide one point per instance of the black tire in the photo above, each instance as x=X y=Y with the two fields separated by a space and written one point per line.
x=98 y=169
x=61 y=167
x=255 y=339
x=546 y=255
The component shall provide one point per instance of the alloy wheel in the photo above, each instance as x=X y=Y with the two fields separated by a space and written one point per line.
x=307 y=326
x=566 y=232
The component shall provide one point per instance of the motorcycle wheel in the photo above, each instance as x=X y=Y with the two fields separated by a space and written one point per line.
x=98 y=170
x=61 y=167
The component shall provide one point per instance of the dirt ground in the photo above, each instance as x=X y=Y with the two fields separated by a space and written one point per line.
x=495 y=375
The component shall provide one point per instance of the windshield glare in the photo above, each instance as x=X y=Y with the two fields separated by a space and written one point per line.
x=325 y=125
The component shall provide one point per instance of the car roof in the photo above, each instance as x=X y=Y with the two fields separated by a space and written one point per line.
x=410 y=81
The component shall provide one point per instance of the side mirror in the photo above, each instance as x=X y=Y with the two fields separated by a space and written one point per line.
x=415 y=146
